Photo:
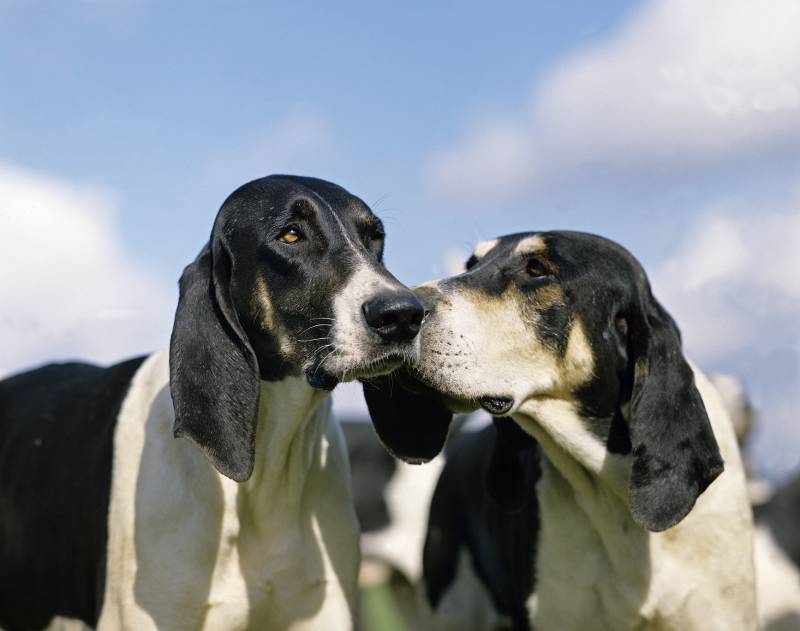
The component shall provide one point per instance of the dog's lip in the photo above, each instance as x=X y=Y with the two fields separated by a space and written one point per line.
x=381 y=365
x=496 y=405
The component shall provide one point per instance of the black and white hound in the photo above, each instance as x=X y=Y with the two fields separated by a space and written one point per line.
x=247 y=522
x=644 y=519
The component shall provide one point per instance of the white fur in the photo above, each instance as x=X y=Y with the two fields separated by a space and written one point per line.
x=190 y=549
x=598 y=570
x=352 y=351
x=778 y=581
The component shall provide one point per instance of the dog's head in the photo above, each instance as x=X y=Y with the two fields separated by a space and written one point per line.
x=569 y=318
x=291 y=283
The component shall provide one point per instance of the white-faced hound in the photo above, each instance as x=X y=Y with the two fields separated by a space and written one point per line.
x=246 y=521
x=644 y=521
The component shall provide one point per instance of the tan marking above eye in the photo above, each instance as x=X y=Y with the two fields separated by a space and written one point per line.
x=290 y=235
x=484 y=247
x=533 y=244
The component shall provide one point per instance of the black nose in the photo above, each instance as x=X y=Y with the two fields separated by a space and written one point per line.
x=395 y=316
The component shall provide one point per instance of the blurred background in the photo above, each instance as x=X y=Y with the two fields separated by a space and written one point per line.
x=671 y=127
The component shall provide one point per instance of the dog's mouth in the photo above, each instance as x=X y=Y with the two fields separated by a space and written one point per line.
x=383 y=364
x=415 y=380
x=496 y=405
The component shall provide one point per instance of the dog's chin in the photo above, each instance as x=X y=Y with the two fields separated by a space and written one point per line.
x=327 y=377
x=456 y=401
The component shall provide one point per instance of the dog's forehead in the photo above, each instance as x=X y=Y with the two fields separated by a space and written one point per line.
x=275 y=193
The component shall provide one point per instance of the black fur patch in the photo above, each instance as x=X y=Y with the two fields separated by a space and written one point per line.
x=56 y=436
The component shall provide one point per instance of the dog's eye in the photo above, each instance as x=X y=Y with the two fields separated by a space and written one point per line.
x=535 y=268
x=291 y=235
x=472 y=261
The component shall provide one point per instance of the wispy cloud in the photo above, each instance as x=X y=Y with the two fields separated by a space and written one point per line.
x=733 y=288
x=682 y=83
x=734 y=284
x=69 y=290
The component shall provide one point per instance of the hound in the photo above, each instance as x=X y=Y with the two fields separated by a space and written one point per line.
x=643 y=510
x=246 y=520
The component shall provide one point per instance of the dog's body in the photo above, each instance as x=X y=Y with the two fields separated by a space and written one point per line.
x=560 y=332
x=249 y=524
x=278 y=551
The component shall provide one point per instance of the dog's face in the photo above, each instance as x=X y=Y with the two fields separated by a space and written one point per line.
x=308 y=283
x=291 y=283
x=533 y=315
x=565 y=317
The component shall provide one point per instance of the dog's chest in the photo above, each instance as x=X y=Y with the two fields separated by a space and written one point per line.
x=598 y=571
x=581 y=584
x=190 y=549
x=275 y=581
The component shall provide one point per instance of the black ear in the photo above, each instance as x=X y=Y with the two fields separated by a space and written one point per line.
x=513 y=469
x=213 y=372
x=411 y=423
x=675 y=454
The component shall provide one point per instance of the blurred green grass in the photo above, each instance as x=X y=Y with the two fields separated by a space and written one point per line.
x=379 y=611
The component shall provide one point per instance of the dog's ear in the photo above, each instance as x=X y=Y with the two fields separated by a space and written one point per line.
x=509 y=477
x=675 y=454
x=411 y=424
x=212 y=367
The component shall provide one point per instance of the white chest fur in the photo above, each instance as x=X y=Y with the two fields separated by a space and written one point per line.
x=599 y=571
x=191 y=549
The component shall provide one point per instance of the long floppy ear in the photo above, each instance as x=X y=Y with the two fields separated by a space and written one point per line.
x=213 y=372
x=513 y=468
x=411 y=424
x=675 y=454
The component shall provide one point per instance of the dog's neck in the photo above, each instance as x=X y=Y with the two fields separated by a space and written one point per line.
x=583 y=498
x=292 y=419
x=579 y=455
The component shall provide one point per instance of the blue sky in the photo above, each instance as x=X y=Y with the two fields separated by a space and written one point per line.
x=671 y=127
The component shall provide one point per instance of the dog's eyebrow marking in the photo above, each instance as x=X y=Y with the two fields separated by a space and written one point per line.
x=531 y=245
x=484 y=247
x=578 y=358
x=263 y=304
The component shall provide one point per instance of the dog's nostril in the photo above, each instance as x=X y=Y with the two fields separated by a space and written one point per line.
x=395 y=316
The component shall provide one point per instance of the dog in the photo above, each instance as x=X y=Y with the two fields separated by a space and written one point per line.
x=245 y=521
x=644 y=519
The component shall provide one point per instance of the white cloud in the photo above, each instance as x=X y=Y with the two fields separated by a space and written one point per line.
x=68 y=288
x=682 y=83
x=733 y=284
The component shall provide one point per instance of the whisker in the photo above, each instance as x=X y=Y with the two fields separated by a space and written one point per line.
x=314 y=326
x=323 y=347
x=319 y=364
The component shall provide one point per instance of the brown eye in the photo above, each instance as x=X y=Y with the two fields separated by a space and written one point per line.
x=535 y=268
x=290 y=235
